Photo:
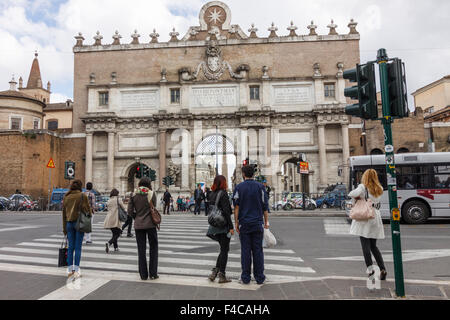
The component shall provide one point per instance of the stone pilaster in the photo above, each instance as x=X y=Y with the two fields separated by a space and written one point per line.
x=110 y=161
x=345 y=152
x=89 y=144
x=162 y=157
x=322 y=156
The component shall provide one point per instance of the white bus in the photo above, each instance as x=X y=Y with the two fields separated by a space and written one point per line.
x=423 y=183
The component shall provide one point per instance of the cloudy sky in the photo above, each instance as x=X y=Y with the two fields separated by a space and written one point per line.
x=414 y=30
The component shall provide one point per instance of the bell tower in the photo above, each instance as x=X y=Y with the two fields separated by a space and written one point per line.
x=34 y=86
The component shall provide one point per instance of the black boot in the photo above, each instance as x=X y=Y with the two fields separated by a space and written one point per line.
x=223 y=278
x=213 y=274
x=383 y=275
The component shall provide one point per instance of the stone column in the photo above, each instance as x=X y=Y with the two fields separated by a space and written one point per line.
x=110 y=161
x=322 y=156
x=224 y=158
x=345 y=152
x=89 y=143
x=162 y=157
x=185 y=161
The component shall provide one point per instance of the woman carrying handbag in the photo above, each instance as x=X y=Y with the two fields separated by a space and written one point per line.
x=112 y=220
x=221 y=234
x=366 y=218
x=76 y=213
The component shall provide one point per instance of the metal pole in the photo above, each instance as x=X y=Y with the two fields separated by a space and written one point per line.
x=49 y=188
x=382 y=59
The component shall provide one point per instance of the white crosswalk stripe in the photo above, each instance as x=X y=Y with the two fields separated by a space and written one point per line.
x=183 y=249
x=336 y=226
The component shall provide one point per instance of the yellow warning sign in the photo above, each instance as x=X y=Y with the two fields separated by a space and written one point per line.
x=51 y=164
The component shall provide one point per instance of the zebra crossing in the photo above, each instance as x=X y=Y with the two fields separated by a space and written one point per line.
x=336 y=227
x=184 y=250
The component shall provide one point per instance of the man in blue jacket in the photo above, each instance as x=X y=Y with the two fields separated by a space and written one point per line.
x=250 y=213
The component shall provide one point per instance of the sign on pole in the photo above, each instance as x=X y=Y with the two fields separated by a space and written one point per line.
x=51 y=164
x=304 y=167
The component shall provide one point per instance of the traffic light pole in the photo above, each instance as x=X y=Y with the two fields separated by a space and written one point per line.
x=390 y=173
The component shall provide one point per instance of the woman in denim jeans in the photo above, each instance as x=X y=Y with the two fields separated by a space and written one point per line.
x=74 y=200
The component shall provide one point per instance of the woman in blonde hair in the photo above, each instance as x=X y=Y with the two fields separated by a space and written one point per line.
x=370 y=230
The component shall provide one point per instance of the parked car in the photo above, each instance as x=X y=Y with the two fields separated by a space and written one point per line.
x=101 y=203
x=21 y=202
x=297 y=203
x=4 y=204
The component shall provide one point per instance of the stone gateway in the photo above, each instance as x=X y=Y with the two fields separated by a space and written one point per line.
x=268 y=99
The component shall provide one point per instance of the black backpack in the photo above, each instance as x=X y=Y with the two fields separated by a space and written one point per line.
x=215 y=216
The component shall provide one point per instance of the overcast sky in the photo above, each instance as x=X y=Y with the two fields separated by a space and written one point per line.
x=416 y=31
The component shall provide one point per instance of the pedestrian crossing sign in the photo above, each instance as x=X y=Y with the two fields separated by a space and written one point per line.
x=50 y=163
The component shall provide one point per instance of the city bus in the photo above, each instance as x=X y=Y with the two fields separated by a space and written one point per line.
x=423 y=183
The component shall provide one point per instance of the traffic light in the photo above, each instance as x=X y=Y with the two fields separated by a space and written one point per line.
x=245 y=162
x=152 y=175
x=167 y=181
x=69 y=170
x=139 y=171
x=365 y=92
x=398 y=96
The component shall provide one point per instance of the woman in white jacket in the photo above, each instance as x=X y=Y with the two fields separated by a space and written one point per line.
x=371 y=230
x=112 y=221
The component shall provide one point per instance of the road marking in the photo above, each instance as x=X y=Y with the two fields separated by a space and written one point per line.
x=163 y=245
x=336 y=226
x=407 y=255
x=128 y=267
x=78 y=290
x=133 y=258
x=162 y=252
x=19 y=228
x=130 y=277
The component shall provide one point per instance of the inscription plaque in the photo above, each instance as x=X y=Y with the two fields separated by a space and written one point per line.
x=291 y=95
x=214 y=97
x=139 y=99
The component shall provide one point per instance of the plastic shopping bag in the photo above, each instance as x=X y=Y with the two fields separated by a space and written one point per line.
x=269 y=239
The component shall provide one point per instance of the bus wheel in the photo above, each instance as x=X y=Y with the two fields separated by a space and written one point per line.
x=415 y=212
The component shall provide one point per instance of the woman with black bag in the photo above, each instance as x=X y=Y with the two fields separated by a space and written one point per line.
x=113 y=219
x=220 y=229
x=75 y=205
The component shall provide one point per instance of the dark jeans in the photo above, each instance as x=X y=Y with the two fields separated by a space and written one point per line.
x=141 y=239
x=198 y=204
x=75 y=243
x=166 y=206
x=251 y=246
x=128 y=223
x=206 y=208
x=115 y=235
x=222 y=259
x=370 y=245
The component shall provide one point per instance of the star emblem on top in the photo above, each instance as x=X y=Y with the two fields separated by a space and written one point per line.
x=214 y=16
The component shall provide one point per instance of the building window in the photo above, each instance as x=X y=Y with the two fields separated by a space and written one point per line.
x=175 y=95
x=36 y=123
x=103 y=98
x=16 y=123
x=330 y=90
x=254 y=93
x=52 y=125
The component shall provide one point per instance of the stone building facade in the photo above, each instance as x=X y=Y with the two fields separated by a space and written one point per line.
x=269 y=98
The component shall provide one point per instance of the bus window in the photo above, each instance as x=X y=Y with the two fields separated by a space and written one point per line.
x=413 y=177
x=441 y=177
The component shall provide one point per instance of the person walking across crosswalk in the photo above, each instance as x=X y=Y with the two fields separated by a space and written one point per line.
x=112 y=221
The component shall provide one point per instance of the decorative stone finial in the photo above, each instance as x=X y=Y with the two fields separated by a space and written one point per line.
x=79 y=39
x=154 y=36
x=20 y=83
x=352 y=25
x=252 y=31
x=332 y=26
x=12 y=84
x=35 y=53
x=116 y=38
x=193 y=34
x=273 y=30
x=316 y=68
x=49 y=85
x=292 y=29
x=265 y=70
x=312 y=29
x=233 y=32
x=173 y=36
x=340 y=72
x=163 y=75
x=98 y=39
x=113 y=77
x=92 y=78
x=135 y=37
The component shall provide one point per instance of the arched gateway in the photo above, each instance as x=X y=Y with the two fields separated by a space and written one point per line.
x=137 y=100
